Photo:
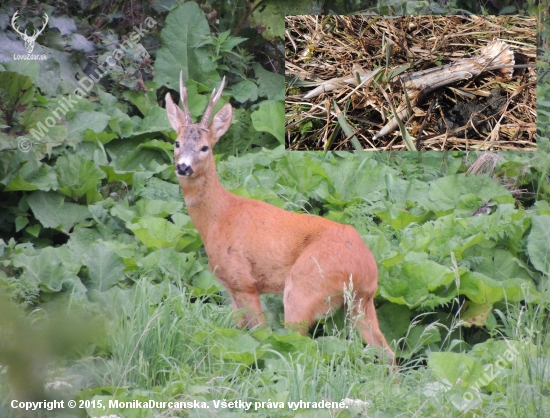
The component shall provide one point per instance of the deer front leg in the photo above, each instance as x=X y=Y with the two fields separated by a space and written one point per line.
x=249 y=302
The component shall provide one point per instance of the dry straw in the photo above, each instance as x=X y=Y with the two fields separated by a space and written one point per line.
x=368 y=60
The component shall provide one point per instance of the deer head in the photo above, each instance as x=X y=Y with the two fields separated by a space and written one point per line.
x=193 y=149
x=29 y=40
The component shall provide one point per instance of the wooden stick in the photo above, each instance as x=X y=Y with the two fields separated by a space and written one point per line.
x=335 y=83
x=496 y=56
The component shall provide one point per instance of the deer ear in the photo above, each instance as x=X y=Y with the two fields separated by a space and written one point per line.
x=176 y=117
x=220 y=122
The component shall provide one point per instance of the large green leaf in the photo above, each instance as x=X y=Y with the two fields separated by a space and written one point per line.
x=445 y=192
x=156 y=232
x=154 y=121
x=133 y=154
x=105 y=268
x=33 y=175
x=244 y=91
x=401 y=192
x=158 y=208
x=299 y=173
x=119 y=121
x=236 y=345
x=500 y=265
x=191 y=240
x=270 y=85
x=10 y=161
x=354 y=178
x=77 y=175
x=454 y=368
x=15 y=90
x=186 y=28
x=394 y=320
x=270 y=117
x=156 y=188
x=481 y=289
x=411 y=281
x=55 y=75
x=486 y=365
x=380 y=246
x=114 y=175
x=51 y=268
x=538 y=243
x=502 y=354
x=84 y=120
x=269 y=20
x=143 y=101
x=176 y=266
x=51 y=210
x=46 y=129
x=145 y=208
x=398 y=219
x=129 y=253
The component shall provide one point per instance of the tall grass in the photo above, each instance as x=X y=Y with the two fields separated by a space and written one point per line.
x=171 y=346
x=528 y=391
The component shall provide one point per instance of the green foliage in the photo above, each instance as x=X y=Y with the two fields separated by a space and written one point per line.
x=183 y=48
x=77 y=176
x=51 y=269
x=16 y=91
x=49 y=335
x=431 y=248
x=51 y=210
x=269 y=118
x=538 y=243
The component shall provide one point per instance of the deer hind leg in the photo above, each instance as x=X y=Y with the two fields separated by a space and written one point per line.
x=308 y=295
x=301 y=309
x=249 y=302
x=368 y=324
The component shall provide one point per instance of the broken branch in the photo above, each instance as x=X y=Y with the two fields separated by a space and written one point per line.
x=495 y=56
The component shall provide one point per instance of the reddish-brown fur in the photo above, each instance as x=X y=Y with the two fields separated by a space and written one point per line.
x=255 y=248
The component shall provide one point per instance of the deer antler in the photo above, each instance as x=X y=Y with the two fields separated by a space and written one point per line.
x=213 y=100
x=183 y=96
x=24 y=35
x=14 y=26
x=35 y=35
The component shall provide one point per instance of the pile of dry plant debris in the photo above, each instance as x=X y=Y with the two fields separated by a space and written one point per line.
x=457 y=82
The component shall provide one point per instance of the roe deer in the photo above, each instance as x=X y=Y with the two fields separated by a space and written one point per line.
x=255 y=248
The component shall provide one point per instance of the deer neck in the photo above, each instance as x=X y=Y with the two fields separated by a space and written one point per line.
x=206 y=200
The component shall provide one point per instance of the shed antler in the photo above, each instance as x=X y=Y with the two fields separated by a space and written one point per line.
x=497 y=55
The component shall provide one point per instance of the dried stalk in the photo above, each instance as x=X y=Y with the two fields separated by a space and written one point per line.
x=335 y=83
x=418 y=85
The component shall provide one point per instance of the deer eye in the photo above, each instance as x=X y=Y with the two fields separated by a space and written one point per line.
x=177 y=144
x=204 y=148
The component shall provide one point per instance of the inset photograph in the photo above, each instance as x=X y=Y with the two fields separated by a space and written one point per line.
x=462 y=82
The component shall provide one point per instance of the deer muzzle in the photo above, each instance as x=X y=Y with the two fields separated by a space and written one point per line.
x=184 y=169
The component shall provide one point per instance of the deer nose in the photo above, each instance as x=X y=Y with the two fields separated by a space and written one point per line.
x=184 y=169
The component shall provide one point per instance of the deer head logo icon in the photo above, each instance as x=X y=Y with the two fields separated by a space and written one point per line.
x=29 y=39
